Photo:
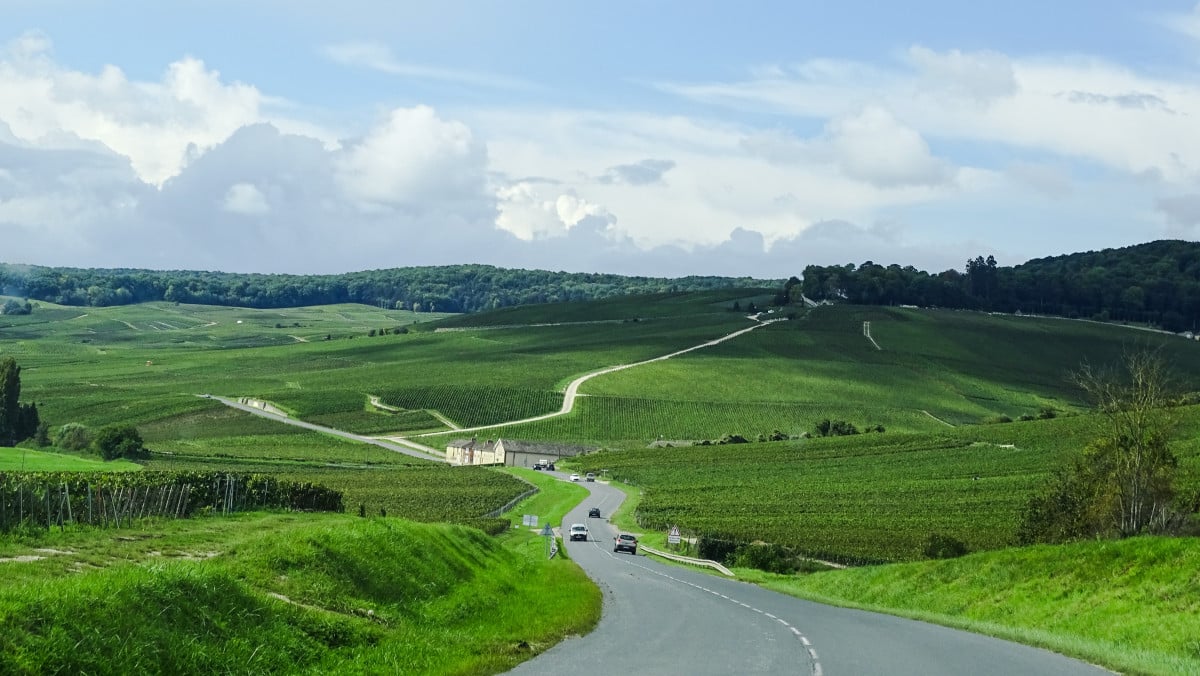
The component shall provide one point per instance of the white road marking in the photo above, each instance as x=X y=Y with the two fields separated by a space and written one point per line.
x=812 y=653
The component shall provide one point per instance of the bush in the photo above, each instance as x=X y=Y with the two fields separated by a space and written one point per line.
x=716 y=548
x=119 y=441
x=73 y=437
x=13 y=307
x=836 y=428
x=769 y=557
x=938 y=546
x=997 y=420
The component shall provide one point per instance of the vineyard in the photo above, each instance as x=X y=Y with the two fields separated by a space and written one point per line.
x=599 y=419
x=421 y=492
x=116 y=499
x=471 y=406
x=860 y=499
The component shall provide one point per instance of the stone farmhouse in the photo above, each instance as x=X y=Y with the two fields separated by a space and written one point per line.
x=509 y=452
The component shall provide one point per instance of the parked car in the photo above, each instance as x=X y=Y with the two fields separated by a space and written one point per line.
x=574 y=477
x=579 y=532
x=594 y=513
x=539 y=466
x=626 y=542
x=590 y=477
x=550 y=467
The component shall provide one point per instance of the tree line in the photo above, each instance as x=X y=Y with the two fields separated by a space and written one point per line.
x=1157 y=283
x=451 y=288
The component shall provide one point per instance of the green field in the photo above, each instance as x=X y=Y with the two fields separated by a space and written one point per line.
x=937 y=369
x=860 y=499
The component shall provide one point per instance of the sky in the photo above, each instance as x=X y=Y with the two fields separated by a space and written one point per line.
x=653 y=138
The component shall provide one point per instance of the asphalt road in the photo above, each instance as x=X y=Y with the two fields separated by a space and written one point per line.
x=666 y=619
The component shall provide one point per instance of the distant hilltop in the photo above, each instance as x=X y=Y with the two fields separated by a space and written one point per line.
x=448 y=288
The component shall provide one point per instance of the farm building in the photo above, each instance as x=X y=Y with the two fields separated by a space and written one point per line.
x=509 y=452
x=474 y=452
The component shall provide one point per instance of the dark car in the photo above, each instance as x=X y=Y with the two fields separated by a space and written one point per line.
x=589 y=477
x=594 y=513
x=626 y=542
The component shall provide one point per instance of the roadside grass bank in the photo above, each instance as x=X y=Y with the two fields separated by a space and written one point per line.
x=286 y=593
x=552 y=501
x=1130 y=605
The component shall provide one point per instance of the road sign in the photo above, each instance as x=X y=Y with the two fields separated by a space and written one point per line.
x=529 y=520
x=547 y=531
x=673 y=535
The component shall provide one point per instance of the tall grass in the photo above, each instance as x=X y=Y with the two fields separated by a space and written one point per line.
x=336 y=594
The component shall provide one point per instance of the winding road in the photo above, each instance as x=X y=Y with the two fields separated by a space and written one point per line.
x=404 y=443
x=664 y=619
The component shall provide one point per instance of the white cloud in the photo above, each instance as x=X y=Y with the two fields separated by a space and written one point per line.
x=379 y=57
x=1182 y=212
x=1071 y=107
x=246 y=199
x=873 y=146
x=1186 y=23
x=528 y=214
x=413 y=159
x=645 y=172
x=980 y=76
x=1049 y=180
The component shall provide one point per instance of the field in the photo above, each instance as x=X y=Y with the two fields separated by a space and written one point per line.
x=860 y=499
x=938 y=375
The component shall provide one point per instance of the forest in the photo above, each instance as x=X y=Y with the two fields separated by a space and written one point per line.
x=452 y=288
x=1157 y=284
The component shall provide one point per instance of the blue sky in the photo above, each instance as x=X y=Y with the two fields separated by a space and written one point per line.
x=662 y=138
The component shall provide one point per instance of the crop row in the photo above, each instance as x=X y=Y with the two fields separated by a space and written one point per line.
x=46 y=499
x=864 y=498
x=606 y=419
x=421 y=491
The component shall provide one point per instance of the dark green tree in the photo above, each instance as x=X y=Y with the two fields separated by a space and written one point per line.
x=119 y=441
x=10 y=406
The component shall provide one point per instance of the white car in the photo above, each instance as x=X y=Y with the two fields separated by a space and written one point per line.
x=574 y=477
x=579 y=532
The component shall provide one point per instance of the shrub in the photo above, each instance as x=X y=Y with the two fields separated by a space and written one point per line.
x=716 y=548
x=835 y=428
x=938 y=546
x=73 y=437
x=997 y=420
x=119 y=441
x=769 y=557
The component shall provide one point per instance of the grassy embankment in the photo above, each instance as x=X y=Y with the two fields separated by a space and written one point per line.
x=311 y=593
x=287 y=593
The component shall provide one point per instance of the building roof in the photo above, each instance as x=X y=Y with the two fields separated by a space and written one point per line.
x=545 y=447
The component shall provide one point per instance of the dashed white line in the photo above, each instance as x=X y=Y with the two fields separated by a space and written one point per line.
x=812 y=653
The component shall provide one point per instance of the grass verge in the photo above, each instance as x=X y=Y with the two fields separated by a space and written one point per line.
x=322 y=594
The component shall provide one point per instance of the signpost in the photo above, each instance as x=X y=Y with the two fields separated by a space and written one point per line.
x=551 y=548
x=530 y=520
x=673 y=535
